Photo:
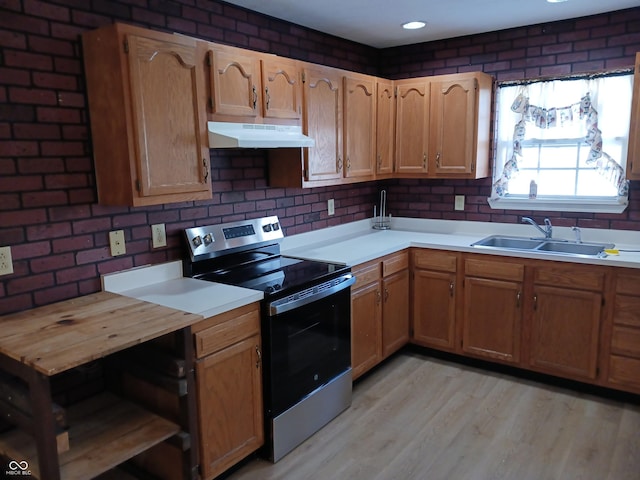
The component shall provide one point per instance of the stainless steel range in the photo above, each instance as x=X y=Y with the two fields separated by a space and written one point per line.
x=306 y=317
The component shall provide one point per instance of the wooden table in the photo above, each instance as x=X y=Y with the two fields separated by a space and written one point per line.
x=39 y=343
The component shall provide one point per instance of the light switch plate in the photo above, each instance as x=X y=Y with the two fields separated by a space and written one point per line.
x=6 y=263
x=116 y=240
x=158 y=235
x=459 y=202
x=331 y=209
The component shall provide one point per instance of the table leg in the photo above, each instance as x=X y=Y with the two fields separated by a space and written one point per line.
x=44 y=426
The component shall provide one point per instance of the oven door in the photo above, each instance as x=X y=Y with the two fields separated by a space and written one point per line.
x=308 y=342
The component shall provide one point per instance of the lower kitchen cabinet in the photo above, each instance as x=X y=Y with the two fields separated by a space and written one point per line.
x=229 y=388
x=493 y=312
x=624 y=353
x=379 y=310
x=565 y=324
x=434 y=293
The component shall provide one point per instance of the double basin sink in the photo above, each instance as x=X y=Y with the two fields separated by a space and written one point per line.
x=544 y=245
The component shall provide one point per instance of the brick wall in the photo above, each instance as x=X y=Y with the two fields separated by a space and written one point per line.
x=589 y=44
x=48 y=209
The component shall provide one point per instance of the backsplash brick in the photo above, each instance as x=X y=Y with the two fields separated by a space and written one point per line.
x=48 y=210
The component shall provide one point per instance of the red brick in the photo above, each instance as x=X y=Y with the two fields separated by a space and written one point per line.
x=55 y=81
x=62 y=148
x=40 y=165
x=122 y=221
x=82 y=196
x=58 y=115
x=67 y=65
x=79 y=164
x=10 y=148
x=147 y=17
x=71 y=99
x=66 y=31
x=93 y=255
x=51 y=263
x=31 y=61
x=45 y=198
x=14 y=76
x=48 y=231
x=15 y=303
x=77 y=273
x=46 y=10
x=92 y=225
x=13 y=40
x=9 y=201
x=36 y=131
x=72 y=244
x=55 y=294
x=32 y=96
x=9 y=21
x=30 y=283
x=115 y=265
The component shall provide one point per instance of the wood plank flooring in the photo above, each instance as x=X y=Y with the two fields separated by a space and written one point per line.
x=422 y=418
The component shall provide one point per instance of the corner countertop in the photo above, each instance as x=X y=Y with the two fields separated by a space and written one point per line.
x=352 y=244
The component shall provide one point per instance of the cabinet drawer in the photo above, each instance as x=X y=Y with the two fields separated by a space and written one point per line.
x=626 y=341
x=395 y=263
x=628 y=283
x=624 y=370
x=222 y=335
x=583 y=278
x=627 y=311
x=366 y=274
x=498 y=270
x=435 y=260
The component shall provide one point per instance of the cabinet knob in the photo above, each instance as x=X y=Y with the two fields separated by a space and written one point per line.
x=535 y=302
x=255 y=96
x=268 y=97
x=438 y=160
x=378 y=296
x=518 y=295
x=451 y=289
x=386 y=295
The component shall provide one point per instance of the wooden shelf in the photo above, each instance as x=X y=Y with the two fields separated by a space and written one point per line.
x=104 y=432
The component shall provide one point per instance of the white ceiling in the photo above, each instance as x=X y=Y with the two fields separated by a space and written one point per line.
x=377 y=22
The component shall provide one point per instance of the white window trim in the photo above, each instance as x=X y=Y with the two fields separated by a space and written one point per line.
x=560 y=205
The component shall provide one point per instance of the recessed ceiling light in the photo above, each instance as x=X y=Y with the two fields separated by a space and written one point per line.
x=556 y=1
x=413 y=25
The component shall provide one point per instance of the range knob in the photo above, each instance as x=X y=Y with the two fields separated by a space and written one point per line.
x=266 y=228
x=275 y=226
x=208 y=239
x=197 y=241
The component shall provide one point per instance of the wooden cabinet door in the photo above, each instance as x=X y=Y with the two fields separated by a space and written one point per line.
x=235 y=84
x=452 y=125
x=564 y=331
x=229 y=391
x=366 y=328
x=633 y=170
x=359 y=125
x=385 y=127
x=492 y=318
x=395 y=312
x=412 y=126
x=434 y=308
x=281 y=89
x=165 y=87
x=322 y=121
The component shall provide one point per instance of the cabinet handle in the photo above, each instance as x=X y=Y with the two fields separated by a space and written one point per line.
x=438 y=160
x=451 y=289
x=535 y=302
x=259 y=354
x=255 y=96
x=348 y=163
x=266 y=91
x=386 y=295
x=206 y=169
x=339 y=166
x=518 y=299
x=379 y=161
x=424 y=161
x=378 y=297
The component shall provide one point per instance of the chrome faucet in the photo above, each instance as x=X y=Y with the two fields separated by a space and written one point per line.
x=547 y=231
x=576 y=230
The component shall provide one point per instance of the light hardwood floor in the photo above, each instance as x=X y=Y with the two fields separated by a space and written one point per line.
x=422 y=418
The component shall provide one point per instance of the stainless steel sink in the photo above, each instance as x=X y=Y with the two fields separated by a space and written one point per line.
x=560 y=247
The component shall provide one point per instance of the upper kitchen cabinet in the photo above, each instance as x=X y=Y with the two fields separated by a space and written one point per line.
x=147 y=111
x=359 y=126
x=460 y=115
x=633 y=155
x=385 y=127
x=248 y=87
x=412 y=126
x=322 y=120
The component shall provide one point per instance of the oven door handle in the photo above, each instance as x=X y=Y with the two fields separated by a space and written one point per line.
x=310 y=295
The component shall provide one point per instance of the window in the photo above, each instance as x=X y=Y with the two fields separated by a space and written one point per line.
x=562 y=145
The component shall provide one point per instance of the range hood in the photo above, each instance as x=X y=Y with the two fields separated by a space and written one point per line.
x=249 y=135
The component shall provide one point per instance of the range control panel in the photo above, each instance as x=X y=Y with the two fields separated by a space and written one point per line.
x=213 y=240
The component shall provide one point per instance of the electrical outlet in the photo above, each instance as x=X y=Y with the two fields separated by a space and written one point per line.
x=459 y=202
x=331 y=208
x=6 y=264
x=158 y=235
x=116 y=240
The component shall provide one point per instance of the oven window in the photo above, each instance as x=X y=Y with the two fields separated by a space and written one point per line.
x=309 y=346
